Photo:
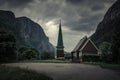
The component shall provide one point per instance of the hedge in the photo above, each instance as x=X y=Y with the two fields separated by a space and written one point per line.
x=90 y=57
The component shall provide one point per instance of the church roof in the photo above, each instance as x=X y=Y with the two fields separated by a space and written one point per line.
x=60 y=37
x=82 y=44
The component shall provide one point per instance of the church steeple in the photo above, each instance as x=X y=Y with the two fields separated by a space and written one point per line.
x=60 y=46
x=60 y=38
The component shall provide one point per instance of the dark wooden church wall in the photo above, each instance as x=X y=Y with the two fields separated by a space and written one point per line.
x=89 y=49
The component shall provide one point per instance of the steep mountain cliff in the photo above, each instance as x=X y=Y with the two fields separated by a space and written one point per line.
x=27 y=32
x=31 y=34
x=7 y=21
x=106 y=27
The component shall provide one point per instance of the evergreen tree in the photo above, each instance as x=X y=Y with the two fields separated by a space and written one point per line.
x=27 y=53
x=7 y=47
x=106 y=55
x=116 y=42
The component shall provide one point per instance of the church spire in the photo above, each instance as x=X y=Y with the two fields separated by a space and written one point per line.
x=60 y=37
x=60 y=46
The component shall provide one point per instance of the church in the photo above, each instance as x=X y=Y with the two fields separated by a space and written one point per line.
x=60 y=46
x=84 y=47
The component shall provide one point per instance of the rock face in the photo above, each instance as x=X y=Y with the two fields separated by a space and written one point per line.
x=106 y=27
x=31 y=34
x=7 y=20
x=27 y=32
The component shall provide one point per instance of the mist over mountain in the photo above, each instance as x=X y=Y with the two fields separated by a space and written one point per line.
x=27 y=32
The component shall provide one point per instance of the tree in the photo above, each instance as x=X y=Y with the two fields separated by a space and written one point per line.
x=30 y=54
x=116 y=42
x=26 y=53
x=105 y=47
x=7 y=47
x=22 y=49
x=47 y=55
x=106 y=55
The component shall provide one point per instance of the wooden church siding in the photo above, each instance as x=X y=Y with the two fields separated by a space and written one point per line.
x=89 y=49
x=60 y=53
x=85 y=46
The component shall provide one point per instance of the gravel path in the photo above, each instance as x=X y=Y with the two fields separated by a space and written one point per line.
x=61 y=71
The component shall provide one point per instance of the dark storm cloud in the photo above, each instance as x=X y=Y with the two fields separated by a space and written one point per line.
x=42 y=0
x=88 y=1
x=85 y=24
x=78 y=15
x=75 y=1
x=91 y=13
x=98 y=7
x=15 y=3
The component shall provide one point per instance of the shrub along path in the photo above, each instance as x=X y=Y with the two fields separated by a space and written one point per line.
x=67 y=71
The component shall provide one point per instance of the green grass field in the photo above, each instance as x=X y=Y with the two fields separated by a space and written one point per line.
x=46 y=61
x=105 y=65
x=13 y=73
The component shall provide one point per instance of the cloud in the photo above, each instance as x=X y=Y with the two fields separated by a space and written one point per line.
x=88 y=1
x=15 y=3
x=79 y=17
x=98 y=7
x=74 y=1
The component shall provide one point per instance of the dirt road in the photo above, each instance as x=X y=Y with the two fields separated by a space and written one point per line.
x=61 y=71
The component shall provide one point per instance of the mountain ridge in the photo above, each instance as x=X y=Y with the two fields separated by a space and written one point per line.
x=105 y=28
x=28 y=33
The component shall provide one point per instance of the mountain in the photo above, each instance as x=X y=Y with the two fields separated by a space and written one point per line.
x=7 y=21
x=31 y=34
x=105 y=28
x=27 y=32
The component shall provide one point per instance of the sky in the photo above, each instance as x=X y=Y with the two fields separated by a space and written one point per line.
x=79 y=18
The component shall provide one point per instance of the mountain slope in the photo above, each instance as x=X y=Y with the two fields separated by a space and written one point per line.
x=31 y=34
x=106 y=27
x=27 y=32
x=7 y=20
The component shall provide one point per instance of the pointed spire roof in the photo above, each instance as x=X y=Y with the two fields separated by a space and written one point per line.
x=60 y=38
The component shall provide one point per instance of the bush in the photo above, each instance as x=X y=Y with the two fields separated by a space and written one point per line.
x=90 y=58
x=106 y=55
x=7 y=47
x=25 y=53
x=67 y=56
x=47 y=55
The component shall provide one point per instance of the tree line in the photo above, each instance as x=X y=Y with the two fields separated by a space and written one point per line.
x=111 y=50
x=9 y=52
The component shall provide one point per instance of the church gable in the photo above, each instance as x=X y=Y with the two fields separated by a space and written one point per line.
x=80 y=44
x=89 y=48
x=85 y=46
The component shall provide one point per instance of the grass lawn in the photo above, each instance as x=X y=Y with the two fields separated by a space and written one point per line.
x=47 y=61
x=13 y=73
x=111 y=66
x=105 y=65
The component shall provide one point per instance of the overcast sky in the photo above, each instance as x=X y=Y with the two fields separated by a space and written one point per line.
x=79 y=17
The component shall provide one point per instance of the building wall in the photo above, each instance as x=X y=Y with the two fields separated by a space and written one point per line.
x=60 y=53
x=89 y=49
